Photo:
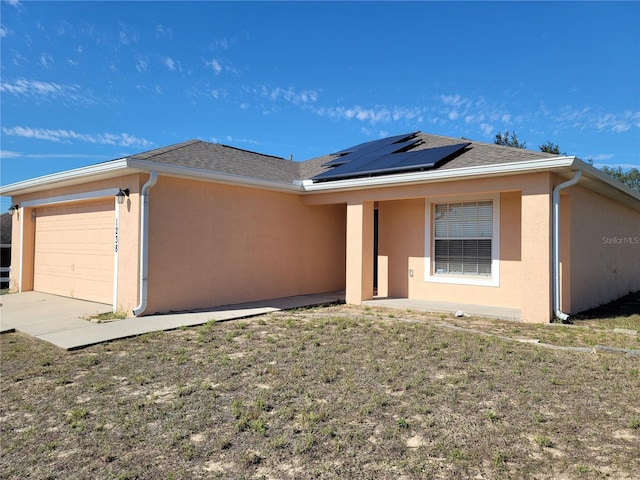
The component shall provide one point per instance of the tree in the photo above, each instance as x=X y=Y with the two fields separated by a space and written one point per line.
x=551 y=147
x=631 y=177
x=509 y=140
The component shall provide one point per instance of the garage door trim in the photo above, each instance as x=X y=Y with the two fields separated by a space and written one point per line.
x=77 y=197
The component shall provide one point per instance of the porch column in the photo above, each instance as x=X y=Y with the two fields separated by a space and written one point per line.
x=359 y=274
x=536 y=253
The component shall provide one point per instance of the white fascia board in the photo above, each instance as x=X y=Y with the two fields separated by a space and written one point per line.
x=611 y=183
x=546 y=164
x=225 y=178
x=66 y=178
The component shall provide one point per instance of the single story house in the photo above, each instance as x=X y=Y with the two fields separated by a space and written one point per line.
x=418 y=216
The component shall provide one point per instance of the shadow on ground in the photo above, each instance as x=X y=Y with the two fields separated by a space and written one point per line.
x=623 y=307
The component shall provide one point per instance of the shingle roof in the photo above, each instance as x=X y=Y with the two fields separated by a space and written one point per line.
x=214 y=157
x=476 y=154
x=219 y=158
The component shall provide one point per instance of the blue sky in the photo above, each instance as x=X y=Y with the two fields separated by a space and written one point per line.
x=86 y=82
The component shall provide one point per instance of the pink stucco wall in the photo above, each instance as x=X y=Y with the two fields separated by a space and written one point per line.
x=127 y=296
x=402 y=233
x=525 y=241
x=213 y=244
x=605 y=249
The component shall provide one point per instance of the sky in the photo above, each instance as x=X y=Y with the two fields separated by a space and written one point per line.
x=87 y=82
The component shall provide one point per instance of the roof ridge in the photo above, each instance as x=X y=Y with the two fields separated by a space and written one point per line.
x=251 y=151
x=495 y=145
x=163 y=150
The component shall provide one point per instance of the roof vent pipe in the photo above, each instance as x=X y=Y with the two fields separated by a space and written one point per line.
x=144 y=243
x=556 y=244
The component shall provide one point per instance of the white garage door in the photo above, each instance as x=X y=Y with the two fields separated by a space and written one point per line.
x=74 y=251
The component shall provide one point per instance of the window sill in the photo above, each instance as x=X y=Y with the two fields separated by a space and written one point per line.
x=464 y=280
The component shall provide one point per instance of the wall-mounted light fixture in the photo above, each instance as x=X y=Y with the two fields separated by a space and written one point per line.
x=13 y=209
x=121 y=195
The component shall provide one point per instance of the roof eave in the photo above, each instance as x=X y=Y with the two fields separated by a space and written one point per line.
x=449 y=175
x=595 y=179
x=607 y=185
x=208 y=175
x=122 y=166
x=67 y=178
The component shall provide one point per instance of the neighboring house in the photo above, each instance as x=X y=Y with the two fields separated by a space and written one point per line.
x=5 y=249
x=417 y=216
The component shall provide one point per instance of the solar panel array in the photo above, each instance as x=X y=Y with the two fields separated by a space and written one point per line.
x=387 y=155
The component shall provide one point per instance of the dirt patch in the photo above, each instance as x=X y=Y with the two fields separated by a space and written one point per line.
x=338 y=392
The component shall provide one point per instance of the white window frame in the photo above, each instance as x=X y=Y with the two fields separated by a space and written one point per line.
x=429 y=243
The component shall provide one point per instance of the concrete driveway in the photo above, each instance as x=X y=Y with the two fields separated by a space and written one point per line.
x=57 y=320
x=38 y=313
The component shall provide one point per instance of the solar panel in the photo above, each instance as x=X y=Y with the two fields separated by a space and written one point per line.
x=429 y=157
x=382 y=142
x=380 y=157
x=368 y=147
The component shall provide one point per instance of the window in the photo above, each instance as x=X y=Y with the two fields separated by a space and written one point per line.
x=463 y=234
x=462 y=240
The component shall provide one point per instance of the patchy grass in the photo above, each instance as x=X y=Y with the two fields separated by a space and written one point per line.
x=107 y=317
x=565 y=335
x=622 y=313
x=338 y=392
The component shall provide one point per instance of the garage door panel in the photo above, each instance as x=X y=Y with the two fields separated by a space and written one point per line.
x=74 y=251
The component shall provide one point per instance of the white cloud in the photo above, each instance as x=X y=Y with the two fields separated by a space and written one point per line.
x=46 y=60
x=170 y=64
x=4 y=31
x=15 y=3
x=377 y=114
x=127 y=35
x=164 y=32
x=18 y=59
x=219 y=44
x=487 y=129
x=215 y=65
x=454 y=100
x=590 y=118
x=9 y=154
x=230 y=139
x=601 y=157
x=290 y=95
x=59 y=135
x=142 y=64
x=45 y=90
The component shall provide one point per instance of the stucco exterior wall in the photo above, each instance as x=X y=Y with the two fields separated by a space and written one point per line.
x=605 y=250
x=213 y=244
x=24 y=225
x=359 y=252
x=402 y=239
x=400 y=245
x=525 y=240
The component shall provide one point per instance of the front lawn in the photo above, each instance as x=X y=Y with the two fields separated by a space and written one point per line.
x=338 y=392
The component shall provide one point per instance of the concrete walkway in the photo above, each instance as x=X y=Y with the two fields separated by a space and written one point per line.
x=57 y=320
x=503 y=313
